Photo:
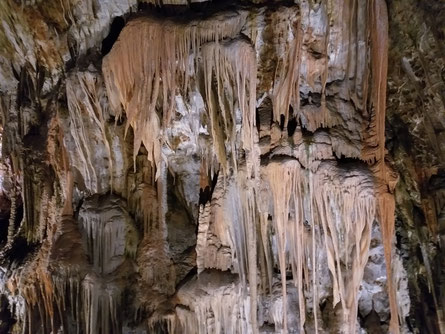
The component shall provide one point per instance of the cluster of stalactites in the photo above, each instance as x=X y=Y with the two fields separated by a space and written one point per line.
x=330 y=205
x=153 y=61
x=233 y=66
x=47 y=295
x=337 y=202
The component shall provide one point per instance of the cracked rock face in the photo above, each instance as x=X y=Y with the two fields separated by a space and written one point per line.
x=221 y=167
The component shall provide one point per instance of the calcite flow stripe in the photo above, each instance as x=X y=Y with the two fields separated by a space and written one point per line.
x=385 y=178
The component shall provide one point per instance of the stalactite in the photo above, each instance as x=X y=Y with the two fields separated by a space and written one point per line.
x=243 y=202
x=281 y=186
x=378 y=18
x=213 y=247
x=287 y=46
x=36 y=286
x=186 y=321
x=353 y=200
x=227 y=235
x=264 y=236
x=110 y=233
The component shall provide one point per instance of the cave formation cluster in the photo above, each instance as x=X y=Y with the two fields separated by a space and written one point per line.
x=222 y=167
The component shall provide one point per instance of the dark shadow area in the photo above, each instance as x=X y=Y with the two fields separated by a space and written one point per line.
x=115 y=29
x=20 y=250
x=6 y=319
x=292 y=123
x=205 y=195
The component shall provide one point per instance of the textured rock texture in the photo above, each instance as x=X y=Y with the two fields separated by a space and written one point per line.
x=221 y=167
x=416 y=143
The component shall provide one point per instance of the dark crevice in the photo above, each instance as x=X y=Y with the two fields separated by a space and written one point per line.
x=257 y=120
x=5 y=205
x=307 y=134
x=264 y=114
x=343 y=160
x=6 y=319
x=310 y=99
x=269 y=157
x=20 y=250
x=292 y=126
x=203 y=9
x=205 y=195
x=115 y=29
x=268 y=327
x=191 y=274
x=282 y=120
x=189 y=10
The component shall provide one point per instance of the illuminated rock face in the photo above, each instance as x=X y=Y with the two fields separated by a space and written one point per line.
x=188 y=167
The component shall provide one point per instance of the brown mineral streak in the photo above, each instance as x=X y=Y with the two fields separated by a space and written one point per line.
x=385 y=185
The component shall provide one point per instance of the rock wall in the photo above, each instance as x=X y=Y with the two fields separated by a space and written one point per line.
x=220 y=167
